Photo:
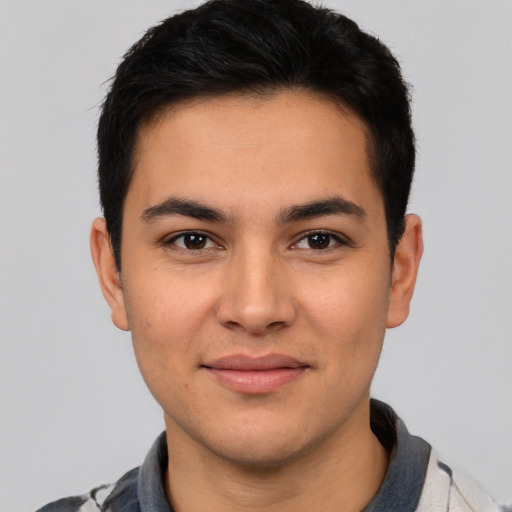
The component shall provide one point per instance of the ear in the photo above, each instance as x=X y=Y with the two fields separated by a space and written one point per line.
x=405 y=269
x=108 y=274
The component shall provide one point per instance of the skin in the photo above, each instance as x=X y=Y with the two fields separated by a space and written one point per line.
x=261 y=284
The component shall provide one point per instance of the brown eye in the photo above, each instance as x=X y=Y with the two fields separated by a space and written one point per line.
x=193 y=241
x=319 y=241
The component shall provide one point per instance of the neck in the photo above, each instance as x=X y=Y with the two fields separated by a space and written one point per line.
x=343 y=472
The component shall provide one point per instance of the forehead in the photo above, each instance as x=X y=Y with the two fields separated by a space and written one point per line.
x=289 y=143
x=255 y=118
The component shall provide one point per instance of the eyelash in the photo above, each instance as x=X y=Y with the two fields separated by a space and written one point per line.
x=173 y=239
x=331 y=237
x=339 y=241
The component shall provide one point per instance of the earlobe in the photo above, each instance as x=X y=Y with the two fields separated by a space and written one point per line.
x=405 y=269
x=108 y=274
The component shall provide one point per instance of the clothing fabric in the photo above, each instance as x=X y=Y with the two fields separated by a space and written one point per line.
x=416 y=480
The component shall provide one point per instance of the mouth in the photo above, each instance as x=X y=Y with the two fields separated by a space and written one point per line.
x=255 y=375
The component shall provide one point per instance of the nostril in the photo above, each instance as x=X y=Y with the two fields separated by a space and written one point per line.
x=276 y=325
x=254 y=327
x=231 y=324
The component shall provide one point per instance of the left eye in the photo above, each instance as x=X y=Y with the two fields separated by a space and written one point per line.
x=193 y=241
x=318 y=241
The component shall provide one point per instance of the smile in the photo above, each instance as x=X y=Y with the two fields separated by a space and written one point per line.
x=256 y=376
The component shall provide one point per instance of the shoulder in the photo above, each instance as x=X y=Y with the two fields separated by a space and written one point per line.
x=90 y=502
x=100 y=498
x=142 y=483
x=451 y=489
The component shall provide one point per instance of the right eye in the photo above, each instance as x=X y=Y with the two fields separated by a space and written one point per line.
x=192 y=241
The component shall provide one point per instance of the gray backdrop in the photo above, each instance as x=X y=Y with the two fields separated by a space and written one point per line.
x=73 y=410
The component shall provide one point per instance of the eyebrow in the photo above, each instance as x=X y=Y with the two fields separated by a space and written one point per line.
x=318 y=208
x=294 y=213
x=185 y=207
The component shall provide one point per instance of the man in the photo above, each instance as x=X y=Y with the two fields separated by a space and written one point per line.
x=255 y=162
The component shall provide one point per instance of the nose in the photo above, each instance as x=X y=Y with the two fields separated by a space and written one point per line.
x=256 y=295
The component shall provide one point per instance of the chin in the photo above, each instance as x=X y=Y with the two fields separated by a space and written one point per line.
x=260 y=447
x=260 y=456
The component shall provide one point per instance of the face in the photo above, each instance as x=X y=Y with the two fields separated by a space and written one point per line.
x=256 y=278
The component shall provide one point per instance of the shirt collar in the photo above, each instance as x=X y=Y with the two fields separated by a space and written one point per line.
x=151 y=487
x=400 y=490
x=409 y=455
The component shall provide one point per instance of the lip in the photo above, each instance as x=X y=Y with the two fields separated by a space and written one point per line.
x=255 y=375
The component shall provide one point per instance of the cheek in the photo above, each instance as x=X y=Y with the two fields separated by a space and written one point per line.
x=166 y=339
x=166 y=318
x=348 y=315
x=348 y=299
